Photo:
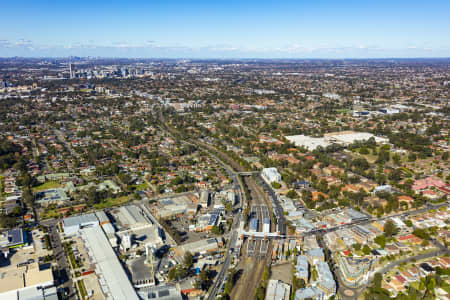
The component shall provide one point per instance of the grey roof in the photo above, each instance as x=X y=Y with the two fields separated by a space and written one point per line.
x=166 y=292
x=131 y=215
x=315 y=252
x=302 y=266
x=355 y=214
x=79 y=220
x=306 y=293
x=325 y=276
x=15 y=236
x=101 y=216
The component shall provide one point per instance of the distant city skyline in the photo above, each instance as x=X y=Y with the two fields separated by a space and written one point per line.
x=226 y=29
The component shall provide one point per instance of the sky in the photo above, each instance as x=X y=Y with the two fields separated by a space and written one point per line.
x=226 y=28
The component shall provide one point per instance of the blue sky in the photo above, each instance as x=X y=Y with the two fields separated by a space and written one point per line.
x=226 y=29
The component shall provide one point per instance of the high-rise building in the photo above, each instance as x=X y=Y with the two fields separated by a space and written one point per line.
x=71 y=71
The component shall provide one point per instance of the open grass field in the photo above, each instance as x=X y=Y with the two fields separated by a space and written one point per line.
x=110 y=202
x=47 y=185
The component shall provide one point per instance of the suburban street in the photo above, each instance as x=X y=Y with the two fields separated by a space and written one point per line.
x=61 y=261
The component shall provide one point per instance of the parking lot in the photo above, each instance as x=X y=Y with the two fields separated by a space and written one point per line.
x=181 y=225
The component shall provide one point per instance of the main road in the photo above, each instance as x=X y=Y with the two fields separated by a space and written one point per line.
x=237 y=184
x=61 y=260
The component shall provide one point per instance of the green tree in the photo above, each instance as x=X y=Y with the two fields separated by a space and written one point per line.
x=275 y=185
x=389 y=228
x=366 y=250
x=188 y=260
x=292 y=194
x=409 y=223
x=381 y=240
x=357 y=246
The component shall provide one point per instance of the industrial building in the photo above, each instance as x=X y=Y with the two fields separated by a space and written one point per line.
x=73 y=225
x=132 y=217
x=165 y=292
x=173 y=206
x=112 y=277
x=107 y=227
x=202 y=246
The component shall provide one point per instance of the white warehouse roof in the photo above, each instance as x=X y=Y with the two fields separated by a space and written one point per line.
x=108 y=265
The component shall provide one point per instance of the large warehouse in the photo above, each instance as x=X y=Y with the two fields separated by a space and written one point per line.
x=113 y=279
x=72 y=225
x=343 y=138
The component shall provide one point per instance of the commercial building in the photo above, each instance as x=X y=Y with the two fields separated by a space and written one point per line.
x=27 y=282
x=202 y=246
x=346 y=138
x=278 y=290
x=73 y=225
x=165 y=292
x=13 y=238
x=113 y=280
x=132 y=217
x=310 y=143
x=343 y=138
x=271 y=175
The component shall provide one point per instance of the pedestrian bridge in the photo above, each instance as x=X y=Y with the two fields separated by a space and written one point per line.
x=260 y=235
x=248 y=173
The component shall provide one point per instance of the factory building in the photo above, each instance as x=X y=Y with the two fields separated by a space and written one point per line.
x=132 y=217
x=113 y=280
x=202 y=246
x=73 y=225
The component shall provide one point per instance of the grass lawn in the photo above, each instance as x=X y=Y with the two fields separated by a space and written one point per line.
x=47 y=185
x=141 y=186
x=342 y=111
x=415 y=285
x=51 y=213
x=81 y=289
x=110 y=202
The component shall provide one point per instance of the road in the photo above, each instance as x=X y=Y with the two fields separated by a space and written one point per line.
x=237 y=184
x=60 y=256
x=61 y=137
x=396 y=263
